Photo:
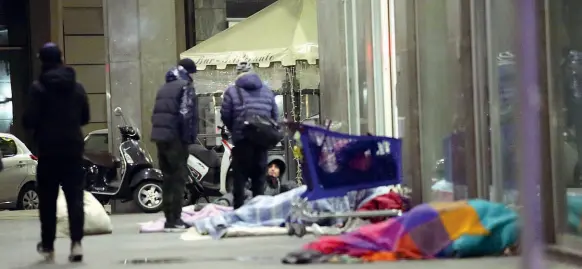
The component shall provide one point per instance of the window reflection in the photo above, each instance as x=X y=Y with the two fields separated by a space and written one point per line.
x=439 y=85
x=566 y=60
x=6 y=114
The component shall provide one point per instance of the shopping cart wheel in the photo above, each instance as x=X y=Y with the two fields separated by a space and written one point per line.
x=300 y=230
x=290 y=229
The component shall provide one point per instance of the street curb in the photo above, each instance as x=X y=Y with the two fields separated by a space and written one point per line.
x=18 y=215
x=29 y=214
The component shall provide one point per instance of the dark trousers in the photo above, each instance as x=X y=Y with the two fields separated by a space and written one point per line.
x=51 y=172
x=248 y=161
x=172 y=158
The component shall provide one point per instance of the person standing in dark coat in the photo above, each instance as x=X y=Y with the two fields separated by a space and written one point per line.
x=174 y=127
x=57 y=109
x=248 y=160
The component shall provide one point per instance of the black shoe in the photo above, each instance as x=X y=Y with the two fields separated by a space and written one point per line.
x=176 y=227
x=47 y=254
x=76 y=252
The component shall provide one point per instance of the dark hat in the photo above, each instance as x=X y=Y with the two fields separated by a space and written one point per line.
x=50 y=53
x=188 y=64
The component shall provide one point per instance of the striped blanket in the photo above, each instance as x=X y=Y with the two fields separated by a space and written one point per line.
x=274 y=210
x=447 y=229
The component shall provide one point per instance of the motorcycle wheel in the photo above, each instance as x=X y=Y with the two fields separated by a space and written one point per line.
x=148 y=196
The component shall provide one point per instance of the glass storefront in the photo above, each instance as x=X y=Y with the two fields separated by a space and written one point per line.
x=454 y=70
x=565 y=94
x=460 y=83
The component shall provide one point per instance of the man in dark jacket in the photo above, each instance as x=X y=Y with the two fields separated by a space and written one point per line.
x=248 y=160
x=57 y=109
x=174 y=127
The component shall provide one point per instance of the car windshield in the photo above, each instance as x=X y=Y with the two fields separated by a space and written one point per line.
x=8 y=147
x=97 y=142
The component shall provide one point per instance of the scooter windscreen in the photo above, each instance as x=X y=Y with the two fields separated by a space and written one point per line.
x=131 y=148
x=134 y=152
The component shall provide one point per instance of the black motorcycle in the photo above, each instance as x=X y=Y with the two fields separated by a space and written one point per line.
x=132 y=176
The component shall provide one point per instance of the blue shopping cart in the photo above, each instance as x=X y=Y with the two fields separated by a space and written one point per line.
x=334 y=164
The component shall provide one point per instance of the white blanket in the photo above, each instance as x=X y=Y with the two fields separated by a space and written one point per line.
x=238 y=231
x=96 y=219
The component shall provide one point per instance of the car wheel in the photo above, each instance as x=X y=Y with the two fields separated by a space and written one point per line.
x=148 y=196
x=28 y=197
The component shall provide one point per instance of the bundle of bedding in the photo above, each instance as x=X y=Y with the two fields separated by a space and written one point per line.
x=429 y=231
x=273 y=211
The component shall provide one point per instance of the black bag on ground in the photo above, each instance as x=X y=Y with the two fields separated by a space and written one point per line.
x=259 y=130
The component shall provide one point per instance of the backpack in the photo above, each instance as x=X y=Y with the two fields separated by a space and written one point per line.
x=260 y=130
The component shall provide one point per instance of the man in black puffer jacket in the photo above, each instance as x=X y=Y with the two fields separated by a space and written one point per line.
x=57 y=108
x=174 y=127
x=248 y=160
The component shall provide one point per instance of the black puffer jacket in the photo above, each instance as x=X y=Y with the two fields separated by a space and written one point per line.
x=56 y=111
x=167 y=122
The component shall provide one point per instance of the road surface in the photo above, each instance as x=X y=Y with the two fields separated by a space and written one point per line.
x=19 y=235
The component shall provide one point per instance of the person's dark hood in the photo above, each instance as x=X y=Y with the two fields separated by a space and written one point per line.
x=249 y=81
x=176 y=73
x=62 y=78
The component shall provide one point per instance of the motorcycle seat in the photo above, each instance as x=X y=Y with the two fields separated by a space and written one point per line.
x=206 y=156
x=102 y=158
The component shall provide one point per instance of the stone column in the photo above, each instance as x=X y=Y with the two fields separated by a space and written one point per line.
x=332 y=61
x=141 y=43
x=209 y=18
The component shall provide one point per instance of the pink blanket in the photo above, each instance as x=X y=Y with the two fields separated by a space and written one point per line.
x=188 y=216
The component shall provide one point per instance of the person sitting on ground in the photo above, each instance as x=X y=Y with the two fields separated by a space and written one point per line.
x=275 y=169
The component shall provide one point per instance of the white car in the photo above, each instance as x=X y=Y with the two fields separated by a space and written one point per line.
x=18 y=179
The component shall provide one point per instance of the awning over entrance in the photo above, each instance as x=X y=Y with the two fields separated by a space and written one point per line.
x=285 y=32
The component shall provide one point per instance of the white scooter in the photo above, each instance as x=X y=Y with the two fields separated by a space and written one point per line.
x=213 y=172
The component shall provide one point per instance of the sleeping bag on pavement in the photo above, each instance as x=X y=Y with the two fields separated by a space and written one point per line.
x=96 y=219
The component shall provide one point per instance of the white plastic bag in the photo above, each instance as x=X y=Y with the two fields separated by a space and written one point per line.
x=96 y=219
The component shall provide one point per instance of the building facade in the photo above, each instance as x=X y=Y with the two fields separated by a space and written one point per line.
x=120 y=50
x=442 y=74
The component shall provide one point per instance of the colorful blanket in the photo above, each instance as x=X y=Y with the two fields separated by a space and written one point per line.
x=447 y=229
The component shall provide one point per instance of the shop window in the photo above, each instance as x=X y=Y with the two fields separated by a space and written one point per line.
x=566 y=104
x=446 y=125
x=14 y=23
x=501 y=102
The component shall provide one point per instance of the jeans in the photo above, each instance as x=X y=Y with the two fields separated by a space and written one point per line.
x=172 y=158
x=248 y=161
x=51 y=172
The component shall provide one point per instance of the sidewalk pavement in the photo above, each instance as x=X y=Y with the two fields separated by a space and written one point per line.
x=18 y=238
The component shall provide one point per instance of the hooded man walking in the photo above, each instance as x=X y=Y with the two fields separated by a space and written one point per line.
x=247 y=95
x=174 y=127
x=56 y=111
